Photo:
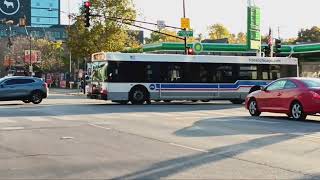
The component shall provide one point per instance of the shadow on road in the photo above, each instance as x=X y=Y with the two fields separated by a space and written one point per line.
x=229 y=126
x=277 y=132
x=171 y=167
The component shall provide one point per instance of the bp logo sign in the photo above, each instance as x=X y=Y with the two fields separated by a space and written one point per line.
x=9 y=7
x=197 y=47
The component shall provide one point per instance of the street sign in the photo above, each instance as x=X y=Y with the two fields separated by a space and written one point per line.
x=197 y=47
x=161 y=24
x=185 y=23
x=185 y=33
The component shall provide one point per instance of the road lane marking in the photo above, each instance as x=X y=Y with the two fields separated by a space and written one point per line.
x=38 y=119
x=101 y=127
x=12 y=128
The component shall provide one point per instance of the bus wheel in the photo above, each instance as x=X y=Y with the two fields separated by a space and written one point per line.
x=205 y=100
x=167 y=101
x=237 y=101
x=138 y=95
x=194 y=101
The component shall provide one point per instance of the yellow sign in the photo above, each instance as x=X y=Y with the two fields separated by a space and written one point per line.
x=255 y=44
x=185 y=23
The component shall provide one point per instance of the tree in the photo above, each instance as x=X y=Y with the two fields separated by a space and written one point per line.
x=241 y=38
x=218 y=31
x=309 y=35
x=107 y=32
x=290 y=41
x=158 y=37
x=51 y=55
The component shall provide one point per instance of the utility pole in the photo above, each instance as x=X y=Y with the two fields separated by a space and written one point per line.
x=70 y=54
x=185 y=38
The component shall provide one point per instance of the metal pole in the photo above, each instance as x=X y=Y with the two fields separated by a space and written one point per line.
x=30 y=67
x=185 y=38
x=70 y=54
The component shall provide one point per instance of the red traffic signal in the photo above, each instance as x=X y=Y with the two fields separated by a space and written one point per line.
x=190 y=51
x=87 y=4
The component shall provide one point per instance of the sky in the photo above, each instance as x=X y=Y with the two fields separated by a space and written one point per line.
x=289 y=16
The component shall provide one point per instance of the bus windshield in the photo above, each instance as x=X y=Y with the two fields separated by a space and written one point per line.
x=98 y=71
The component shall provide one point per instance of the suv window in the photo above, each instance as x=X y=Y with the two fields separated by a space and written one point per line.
x=278 y=85
x=11 y=82
x=19 y=81
x=25 y=81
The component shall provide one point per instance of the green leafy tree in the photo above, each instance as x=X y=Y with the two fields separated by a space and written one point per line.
x=218 y=31
x=52 y=54
x=107 y=32
x=157 y=37
x=309 y=35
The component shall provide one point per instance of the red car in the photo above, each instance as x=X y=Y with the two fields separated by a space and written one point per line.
x=296 y=97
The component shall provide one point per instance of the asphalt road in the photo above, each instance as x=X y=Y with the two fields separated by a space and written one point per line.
x=70 y=137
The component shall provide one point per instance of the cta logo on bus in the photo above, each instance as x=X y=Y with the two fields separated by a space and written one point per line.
x=152 y=87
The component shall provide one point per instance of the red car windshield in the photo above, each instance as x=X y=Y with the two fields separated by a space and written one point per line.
x=312 y=83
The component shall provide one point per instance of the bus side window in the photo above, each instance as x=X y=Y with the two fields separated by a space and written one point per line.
x=175 y=73
x=224 y=73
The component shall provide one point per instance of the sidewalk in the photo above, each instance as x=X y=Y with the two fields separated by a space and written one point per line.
x=75 y=92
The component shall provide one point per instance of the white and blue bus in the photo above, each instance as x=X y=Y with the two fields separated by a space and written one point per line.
x=140 y=78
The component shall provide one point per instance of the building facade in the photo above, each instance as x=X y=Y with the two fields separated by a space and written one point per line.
x=38 y=13
x=45 y=13
x=53 y=33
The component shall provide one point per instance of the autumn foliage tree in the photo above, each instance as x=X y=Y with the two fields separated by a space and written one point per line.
x=107 y=32
x=219 y=31
x=309 y=35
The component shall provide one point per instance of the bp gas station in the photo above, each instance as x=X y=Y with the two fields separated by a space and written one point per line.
x=308 y=54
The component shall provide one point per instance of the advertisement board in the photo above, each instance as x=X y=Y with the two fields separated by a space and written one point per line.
x=14 y=10
x=35 y=56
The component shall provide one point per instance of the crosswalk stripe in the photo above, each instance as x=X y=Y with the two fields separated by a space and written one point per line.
x=7 y=121
x=39 y=119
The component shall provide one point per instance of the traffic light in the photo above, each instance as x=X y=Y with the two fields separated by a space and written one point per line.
x=190 y=51
x=267 y=51
x=277 y=45
x=87 y=14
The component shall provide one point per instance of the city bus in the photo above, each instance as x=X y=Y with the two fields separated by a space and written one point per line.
x=142 y=78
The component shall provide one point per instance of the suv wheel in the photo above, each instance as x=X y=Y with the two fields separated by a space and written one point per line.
x=36 y=98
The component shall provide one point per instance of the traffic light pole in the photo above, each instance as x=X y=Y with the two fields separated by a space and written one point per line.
x=185 y=38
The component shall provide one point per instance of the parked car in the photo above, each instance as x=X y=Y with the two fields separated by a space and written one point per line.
x=296 y=97
x=27 y=89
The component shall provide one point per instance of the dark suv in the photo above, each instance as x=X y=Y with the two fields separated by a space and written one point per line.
x=27 y=89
